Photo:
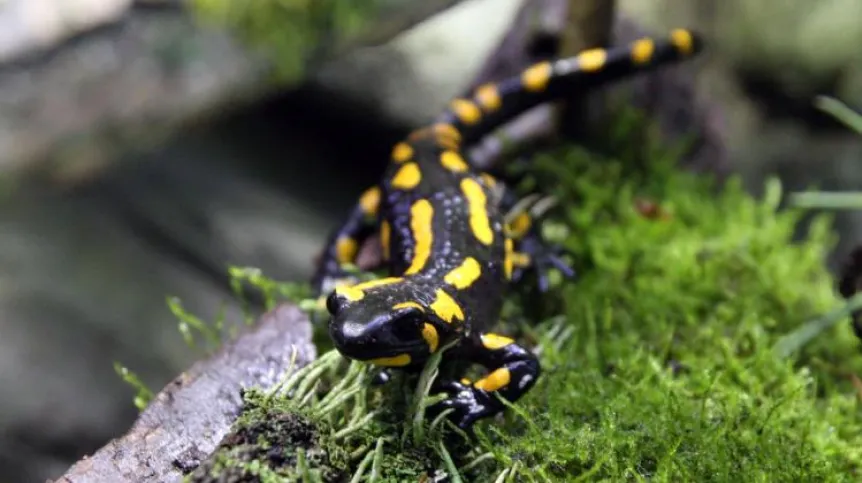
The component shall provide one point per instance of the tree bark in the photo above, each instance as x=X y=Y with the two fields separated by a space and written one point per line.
x=187 y=419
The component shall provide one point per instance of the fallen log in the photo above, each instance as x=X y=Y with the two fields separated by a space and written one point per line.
x=186 y=420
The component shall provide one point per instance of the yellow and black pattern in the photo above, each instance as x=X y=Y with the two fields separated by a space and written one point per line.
x=448 y=250
x=494 y=104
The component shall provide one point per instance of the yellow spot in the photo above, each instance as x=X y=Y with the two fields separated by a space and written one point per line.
x=418 y=134
x=507 y=261
x=536 y=77
x=642 y=51
x=467 y=112
x=429 y=333
x=520 y=225
x=345 y=249
x=448 y=143
x=479 y=222
x=453 y=162
x=444 y=134
x=682 y=40
x=447 y=131
x=494 y=341
x=592 y=60
x=396 y=361
x=357 y=292
x=464 y=276
x=488 y=179
x=407 y=177
x=385 y=235
x=446 y=308
x=495 y=380
x=421 y=214
x=370 y=201
x=343 y=282
x=405 y=305
x=520 y=259
x=466 y=381
x=488 y=97
x=350 y=293
x=402 y=152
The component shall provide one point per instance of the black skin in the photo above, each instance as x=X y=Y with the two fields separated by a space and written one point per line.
x=402 y=322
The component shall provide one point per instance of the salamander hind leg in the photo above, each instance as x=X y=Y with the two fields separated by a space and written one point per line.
x=343 y=245
x=512 y=372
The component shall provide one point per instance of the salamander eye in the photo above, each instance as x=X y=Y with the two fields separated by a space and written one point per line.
x=333 y=305
x=406 y=328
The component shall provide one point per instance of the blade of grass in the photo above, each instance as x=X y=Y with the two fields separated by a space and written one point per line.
x=792 y=342
x=840 y=111
x=824 y=200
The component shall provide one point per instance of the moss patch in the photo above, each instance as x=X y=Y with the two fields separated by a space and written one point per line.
x=660 y=361
x=272 y=442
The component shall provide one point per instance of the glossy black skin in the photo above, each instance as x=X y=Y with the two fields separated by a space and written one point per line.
x=372 y=328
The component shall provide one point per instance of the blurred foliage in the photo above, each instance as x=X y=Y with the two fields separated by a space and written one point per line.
x=802 y=45
x=833 y=200
x=840 y=111
x=291 y=33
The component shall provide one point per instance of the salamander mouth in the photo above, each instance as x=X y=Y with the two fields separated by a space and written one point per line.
x=366 y=353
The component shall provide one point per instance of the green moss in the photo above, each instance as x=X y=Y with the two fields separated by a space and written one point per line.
x=660 y=360
x=669 y=371
x=143 y=394
x=291 y=33
x=267 y=444
x=289 y=434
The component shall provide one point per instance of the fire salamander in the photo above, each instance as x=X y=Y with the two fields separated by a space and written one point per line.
x=449 y=253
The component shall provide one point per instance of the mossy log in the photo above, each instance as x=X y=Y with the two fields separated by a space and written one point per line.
x=190 y=416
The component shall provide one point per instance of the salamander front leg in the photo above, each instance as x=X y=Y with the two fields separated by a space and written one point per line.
x=532 y=253
x=513 y=371
x=343 y=245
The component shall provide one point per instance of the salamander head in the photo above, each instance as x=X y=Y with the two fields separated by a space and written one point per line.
x=384 y=322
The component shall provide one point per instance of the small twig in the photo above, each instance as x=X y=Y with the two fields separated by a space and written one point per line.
x=479 y=459
x=364 y=420
x=840 y=111
x=826 y=200
x=501 y=478
x=454 y=476
x=360 y=470
x=375 y=464
x=423 y=387
x=439 y=419
x=287 y=373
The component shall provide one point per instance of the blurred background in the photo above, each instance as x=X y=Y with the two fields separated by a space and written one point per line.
x=144 y=147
